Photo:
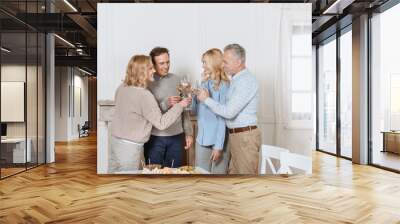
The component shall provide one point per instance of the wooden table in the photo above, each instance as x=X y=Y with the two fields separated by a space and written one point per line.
x=391 y=141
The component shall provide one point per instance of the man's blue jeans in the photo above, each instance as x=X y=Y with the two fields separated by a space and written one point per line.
x=165 y=149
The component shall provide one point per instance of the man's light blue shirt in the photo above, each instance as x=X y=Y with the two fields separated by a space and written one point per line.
x=240 y=109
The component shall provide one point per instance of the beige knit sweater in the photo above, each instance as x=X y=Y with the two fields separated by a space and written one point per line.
x=137 y=111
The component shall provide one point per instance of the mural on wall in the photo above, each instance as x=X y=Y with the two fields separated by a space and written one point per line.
x=221 y=130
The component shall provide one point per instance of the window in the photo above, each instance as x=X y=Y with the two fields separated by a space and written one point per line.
x=22 y=63
x=302 y=85
x=327 y=97
x=385 y=89
x=346 y=94
x=394 y=102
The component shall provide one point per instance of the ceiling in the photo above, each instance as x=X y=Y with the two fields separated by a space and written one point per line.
x=76 y=21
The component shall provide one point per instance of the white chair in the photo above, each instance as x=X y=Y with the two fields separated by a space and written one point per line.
x=297 y=161
x=267 y=153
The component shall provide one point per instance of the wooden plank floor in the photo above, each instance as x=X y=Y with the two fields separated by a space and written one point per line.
x=70 y=191
x=10 y=171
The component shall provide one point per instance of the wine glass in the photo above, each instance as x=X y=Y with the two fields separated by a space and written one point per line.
x=185 y=89
x=197 y=87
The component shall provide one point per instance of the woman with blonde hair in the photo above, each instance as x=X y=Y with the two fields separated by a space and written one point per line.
x=211 y=151
x=136 y=112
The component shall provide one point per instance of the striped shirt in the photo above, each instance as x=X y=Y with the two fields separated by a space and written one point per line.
x=241 y=105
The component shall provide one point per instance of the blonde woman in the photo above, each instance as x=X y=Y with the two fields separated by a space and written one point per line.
x=211 y=153
x=136 y=112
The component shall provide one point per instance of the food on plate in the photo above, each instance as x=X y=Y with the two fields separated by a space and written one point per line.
x=186 y=168
x=168 y=170
x=152 y=166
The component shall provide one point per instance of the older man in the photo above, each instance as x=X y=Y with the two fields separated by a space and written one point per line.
x=240 y=112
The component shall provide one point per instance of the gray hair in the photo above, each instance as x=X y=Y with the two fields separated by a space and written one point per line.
x=238 y=50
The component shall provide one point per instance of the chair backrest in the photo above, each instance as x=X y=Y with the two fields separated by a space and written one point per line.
x=86 y=125
x=269 y=152
x=297 y=161
x=273 y=151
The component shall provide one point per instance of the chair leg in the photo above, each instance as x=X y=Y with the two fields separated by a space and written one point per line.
x=271 y=165
x=263 y=166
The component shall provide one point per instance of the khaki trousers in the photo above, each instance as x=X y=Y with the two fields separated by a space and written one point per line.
x=124 y=155
x=244 y=148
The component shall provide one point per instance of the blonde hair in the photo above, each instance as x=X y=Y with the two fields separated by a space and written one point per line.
x=214 y=60
x=137 y=71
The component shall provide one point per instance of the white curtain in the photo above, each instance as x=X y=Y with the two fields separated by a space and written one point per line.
x=298 y=139
x=282 y=78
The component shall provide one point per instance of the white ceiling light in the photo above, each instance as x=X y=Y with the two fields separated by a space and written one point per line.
x=65 y=41
x=337 y=7
x=5 y=50
x=70 y=5
x=84 y=71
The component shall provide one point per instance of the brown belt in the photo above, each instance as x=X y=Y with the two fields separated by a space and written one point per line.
x=237 y=130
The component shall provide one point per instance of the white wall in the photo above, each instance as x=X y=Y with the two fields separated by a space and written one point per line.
x=80 y=83
x=188 y=30
x=67 y=81
x=61 y=103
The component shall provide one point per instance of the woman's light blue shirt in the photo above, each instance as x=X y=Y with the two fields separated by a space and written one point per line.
x=211 y=127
